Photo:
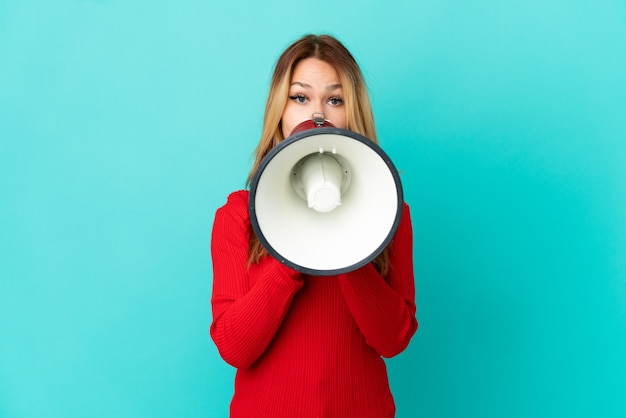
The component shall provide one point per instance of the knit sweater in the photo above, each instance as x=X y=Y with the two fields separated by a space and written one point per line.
x=308 y=346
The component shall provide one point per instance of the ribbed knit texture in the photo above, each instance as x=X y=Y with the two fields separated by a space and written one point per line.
x=308 y=346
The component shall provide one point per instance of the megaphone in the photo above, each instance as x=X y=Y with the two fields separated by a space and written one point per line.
x=325 y=200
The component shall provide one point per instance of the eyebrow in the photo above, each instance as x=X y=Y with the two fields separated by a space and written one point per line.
x=330 y=87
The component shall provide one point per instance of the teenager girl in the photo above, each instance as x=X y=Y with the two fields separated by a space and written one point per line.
x=309 y=346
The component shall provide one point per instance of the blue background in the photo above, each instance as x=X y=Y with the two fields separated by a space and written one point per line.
x=125 y=124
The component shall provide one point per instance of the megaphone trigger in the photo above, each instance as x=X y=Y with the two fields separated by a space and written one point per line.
x=319 y=118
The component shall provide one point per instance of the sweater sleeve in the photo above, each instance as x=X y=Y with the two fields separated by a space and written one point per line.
x=384 y=308
x=247 y=311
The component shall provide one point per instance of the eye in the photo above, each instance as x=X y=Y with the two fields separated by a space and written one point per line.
x=335 y=101
x=298 y=98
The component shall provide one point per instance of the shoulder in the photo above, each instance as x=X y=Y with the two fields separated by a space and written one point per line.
x=406 y=210
x=240 y=197
x=405 y=218
x=236 y=205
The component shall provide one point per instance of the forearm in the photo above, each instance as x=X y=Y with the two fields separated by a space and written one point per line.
x=384 y=308
x=385 y=317
x=243 y=328
x=248 y=302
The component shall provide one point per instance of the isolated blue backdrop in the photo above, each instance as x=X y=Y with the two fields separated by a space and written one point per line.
x=125 y=124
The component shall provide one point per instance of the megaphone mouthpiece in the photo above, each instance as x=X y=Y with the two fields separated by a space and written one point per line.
x=318 y=120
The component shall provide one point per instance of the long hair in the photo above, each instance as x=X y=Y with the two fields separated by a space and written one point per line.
x=359 y=115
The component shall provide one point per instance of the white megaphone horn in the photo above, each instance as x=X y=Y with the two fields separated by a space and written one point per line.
x=325 y=200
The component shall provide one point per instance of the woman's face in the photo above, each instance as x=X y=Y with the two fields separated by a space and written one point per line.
x=315 y=88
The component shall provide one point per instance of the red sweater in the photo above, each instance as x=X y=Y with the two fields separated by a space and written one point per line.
x=308 y=346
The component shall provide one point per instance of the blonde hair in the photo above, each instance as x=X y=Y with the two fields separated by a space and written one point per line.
x=359 y=115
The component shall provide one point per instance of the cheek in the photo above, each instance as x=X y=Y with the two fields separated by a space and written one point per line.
x=287 y=122
x=338 y=118
x=291 y=117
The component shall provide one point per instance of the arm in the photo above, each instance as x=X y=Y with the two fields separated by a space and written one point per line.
x=384 y=308
x=248 y=304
